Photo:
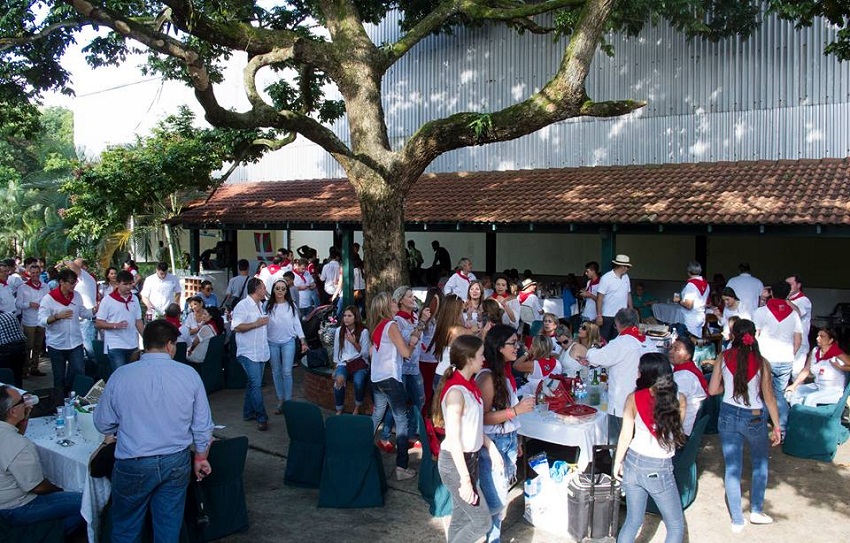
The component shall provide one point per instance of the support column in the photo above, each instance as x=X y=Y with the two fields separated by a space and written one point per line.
x=701 y=252
x=231 y=237
x=346 y=240
x=490 y=251
x=609 y=248
x=194 y=251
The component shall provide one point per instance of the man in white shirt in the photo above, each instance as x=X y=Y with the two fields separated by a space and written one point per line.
x=304 y=283
x=747 y=287
x=59 y=313
x=119 y=316
x=588 y=293
x=621 y=357
x=27 y=301
x=693 y=299
x=803 y=306
x=458 y=284
x=161 y=289
x=249 y=324
x=271 y=273
x=688 y=378
x=331 y=275
x=7 y=293
x=780 y=334
x=614 y=294
x=529 y=302
x=87 y=289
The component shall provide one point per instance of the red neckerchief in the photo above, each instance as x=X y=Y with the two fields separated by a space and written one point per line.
x=833 y=351
x=700 y=283
x=311 y=268
x=509 y=373
x=115 y=296
x=796 y=296
x=4 y=282
x=464 y=277
x=273 y=268
x=34 y=286
x=645 y=404
x=634 y=332
x=546 y=365
x=406 y=316
x=591 y=283
x=301 y=275
x=523 y=296
x=730 y=357
x=457 y=378
x=691 y=366
x=285 y=263
x=378 y=332
x=57 y=295
x=779 y=308
x=173 y=320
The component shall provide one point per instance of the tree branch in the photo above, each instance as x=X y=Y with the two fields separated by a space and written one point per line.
x=478 y=11
x=430 y=23
x=9 y=43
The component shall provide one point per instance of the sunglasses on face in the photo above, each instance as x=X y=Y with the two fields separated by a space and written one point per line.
x=583 y=328
x=564 y=343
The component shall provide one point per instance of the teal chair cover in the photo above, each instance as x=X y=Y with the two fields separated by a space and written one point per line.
x=306 y=429
x=222 y=493
x=353 y=473
x=48 y=531
x=535 y=328
x=685 y=468
x=211 y=370
x=82 y=385
x=704 y=352
x=234 y=373
x=104 y=368
x=430 y=484
x=816 y=432
x=180 y=354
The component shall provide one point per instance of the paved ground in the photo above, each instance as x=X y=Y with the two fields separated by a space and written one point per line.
x=807 y=499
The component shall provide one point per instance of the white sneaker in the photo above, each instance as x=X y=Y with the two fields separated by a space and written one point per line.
x=738 y=528
x=760 y=518
x=403 y=474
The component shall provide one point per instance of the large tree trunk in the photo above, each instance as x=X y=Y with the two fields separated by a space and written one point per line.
x=382 y=207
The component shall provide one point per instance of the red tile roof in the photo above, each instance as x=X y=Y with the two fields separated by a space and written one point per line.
x=785 y=192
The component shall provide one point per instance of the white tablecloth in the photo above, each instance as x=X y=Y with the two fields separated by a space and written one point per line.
x=68 y=467
x=554 y=305
x=669 y=313
x=545 y=427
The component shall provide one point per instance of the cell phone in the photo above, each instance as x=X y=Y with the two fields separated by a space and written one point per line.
x=484 y=319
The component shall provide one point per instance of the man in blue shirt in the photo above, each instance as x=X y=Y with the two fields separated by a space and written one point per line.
x=158 y=408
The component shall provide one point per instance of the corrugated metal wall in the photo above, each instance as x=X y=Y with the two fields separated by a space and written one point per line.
x=774 y=96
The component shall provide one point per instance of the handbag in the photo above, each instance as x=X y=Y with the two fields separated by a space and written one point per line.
x=317 y=358
x=356 y=365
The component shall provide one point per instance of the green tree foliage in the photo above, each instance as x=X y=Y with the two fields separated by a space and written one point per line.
x=312 y=45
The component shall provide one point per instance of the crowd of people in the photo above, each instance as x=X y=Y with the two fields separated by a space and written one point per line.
x=468 y=358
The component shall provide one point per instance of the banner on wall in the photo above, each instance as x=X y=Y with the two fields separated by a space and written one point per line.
x=263 y=246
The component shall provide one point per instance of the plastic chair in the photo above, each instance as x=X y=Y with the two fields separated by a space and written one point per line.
x=430 y=484
x=816 y=432
x=234 y=373
x=685 y=468
x=211 y=369
x=7 y=376
x=82 y=385
x=353 y=472
x=180 y=353
x=48 y=531
x=306 y=429
x=222 y=494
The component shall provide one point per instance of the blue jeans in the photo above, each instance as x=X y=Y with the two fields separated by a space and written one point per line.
x=63 y=378
x=415 y=387
x=389 y=391
x=644 y=476
x=158 y=482
x=737 y=426
x=494 y=485
x=119 y=357
x=253 y=406
x=281 y=359
x=57 y=505
x=88 y=330
x=781 y=375
x=359 y=379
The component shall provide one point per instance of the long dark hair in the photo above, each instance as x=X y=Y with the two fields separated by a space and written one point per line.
x=358 y=326
x=215 y=317
x=463 y=350
x=656 y=373
x=742 y=352
x=450 y=317
x=496 y=338
x=287 y=298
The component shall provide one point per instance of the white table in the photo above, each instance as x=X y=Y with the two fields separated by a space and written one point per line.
x=68 y=467
x=546 y=427
x=669 y=313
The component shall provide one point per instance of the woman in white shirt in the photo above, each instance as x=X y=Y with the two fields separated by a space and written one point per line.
x=651 y=432
x=351 y=354
x=211 y=326
x=732 y=307
x=284 y=327
x=829 y=366
x=509 y=303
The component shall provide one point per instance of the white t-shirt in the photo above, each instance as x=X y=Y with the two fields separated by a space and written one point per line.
x=161 y=292
x=253 y=344
x=386 y=361
x=589 y=311
x=113 y=311
x=330 y=276
x=695 y=316
x=87 y=288
x=27 y=295
x=748 y=289
x=776 y=338
x=804 y=305
x=690 y=386
x=621 y=357
x=459 y=285
x=304 y=298
x=616 y=290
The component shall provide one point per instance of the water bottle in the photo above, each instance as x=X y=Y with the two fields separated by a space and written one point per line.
x=603 y=397
x=61 y=431
x=71 y=421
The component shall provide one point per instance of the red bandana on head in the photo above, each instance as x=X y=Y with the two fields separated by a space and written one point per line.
x=645 y=404
x=457 y=378
x=833 y=351
x=378 y=332
x=700 y=283
x=779 y=308
x=634 y=332
x=730 y=358
x=692 y=367
x=57 y=295
x=115 y=296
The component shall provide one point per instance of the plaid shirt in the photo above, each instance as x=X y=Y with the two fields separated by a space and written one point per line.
x=10 y=329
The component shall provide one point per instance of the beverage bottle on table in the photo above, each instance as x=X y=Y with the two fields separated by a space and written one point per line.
x=61 y=431
x=593 y=390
